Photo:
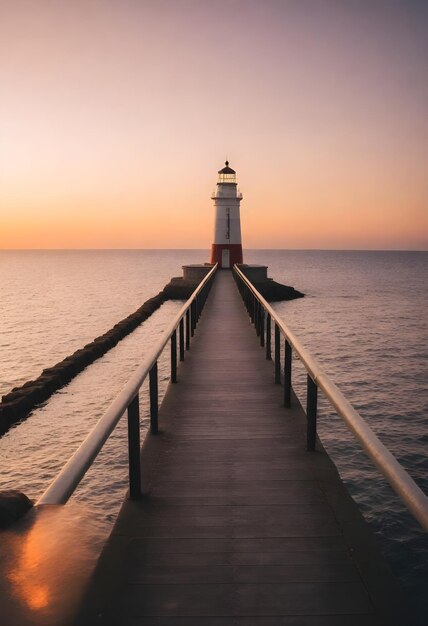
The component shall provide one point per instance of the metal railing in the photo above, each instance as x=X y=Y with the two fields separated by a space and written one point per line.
x=262 y=315
x=73 y=471
x=215 y=194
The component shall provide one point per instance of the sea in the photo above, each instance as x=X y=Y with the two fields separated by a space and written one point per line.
x=364 y=317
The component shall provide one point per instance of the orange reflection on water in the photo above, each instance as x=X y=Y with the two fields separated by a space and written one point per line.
x=37 y=597
x=35 y=556
x=49 y=561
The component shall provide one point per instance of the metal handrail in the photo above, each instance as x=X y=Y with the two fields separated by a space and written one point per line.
x=405 y=487
x=63 y=486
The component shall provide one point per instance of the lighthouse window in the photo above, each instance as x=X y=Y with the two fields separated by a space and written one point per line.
x=227 y=178
x=228 y=224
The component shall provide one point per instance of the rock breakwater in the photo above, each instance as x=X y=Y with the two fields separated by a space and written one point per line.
x=276 y=292
x=19 y=403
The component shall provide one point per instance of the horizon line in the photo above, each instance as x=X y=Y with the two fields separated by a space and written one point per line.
x=207 y=249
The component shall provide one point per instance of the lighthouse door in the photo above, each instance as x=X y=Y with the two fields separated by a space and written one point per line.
x=225 y=258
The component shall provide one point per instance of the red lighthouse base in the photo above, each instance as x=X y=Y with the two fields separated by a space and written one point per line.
x=226 y=255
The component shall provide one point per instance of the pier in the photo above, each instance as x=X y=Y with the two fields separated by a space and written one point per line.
x=236 y=514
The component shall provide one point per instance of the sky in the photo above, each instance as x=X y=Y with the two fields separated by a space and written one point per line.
x=115 y=116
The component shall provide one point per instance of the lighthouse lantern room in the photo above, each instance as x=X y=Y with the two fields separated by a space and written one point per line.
x=227 y=247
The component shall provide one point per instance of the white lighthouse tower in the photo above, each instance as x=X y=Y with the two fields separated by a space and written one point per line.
x=227 y=247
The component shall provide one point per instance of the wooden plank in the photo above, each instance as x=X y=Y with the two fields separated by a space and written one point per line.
x=291 y=620
x=245 y=599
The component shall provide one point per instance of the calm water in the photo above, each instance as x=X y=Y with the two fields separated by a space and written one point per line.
x=364 y=317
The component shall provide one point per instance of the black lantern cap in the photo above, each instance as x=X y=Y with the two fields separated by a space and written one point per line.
x=227 y=169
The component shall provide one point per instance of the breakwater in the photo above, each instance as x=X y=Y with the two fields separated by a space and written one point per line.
x=18 y=404
x=276 y=292
x=271 y=290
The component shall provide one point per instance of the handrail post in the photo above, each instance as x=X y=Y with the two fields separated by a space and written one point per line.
x=188 y=329
x=277 y=355
x=201 y=302
x=192 y=318
x=287 y=374
x=268 y=338
x=174 y=356
x=154 y=409
x=134 y=449
x=311 y=413
x=255 y=307
x=243 y=290
x=181 y=339
x=262 y=326
x=257 y=316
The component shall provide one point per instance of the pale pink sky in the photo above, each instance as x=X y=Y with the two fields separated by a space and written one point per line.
x=116 y=115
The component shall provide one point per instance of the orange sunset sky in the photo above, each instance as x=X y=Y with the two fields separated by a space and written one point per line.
x=115 y=116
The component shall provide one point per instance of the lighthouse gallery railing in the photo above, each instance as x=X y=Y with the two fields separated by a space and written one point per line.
x=72 y=473
x=260 y=312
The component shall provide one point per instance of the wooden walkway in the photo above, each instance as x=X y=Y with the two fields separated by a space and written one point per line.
x=239 y=524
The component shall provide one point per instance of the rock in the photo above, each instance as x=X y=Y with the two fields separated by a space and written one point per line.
x=29 y=383
x=50 y=383
x=179 y=289
x=13 y=395
x=13 y=505
x=275 y=292
x=15 y=409
x=11 y=412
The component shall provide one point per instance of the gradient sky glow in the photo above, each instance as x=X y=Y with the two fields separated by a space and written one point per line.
x=115 y=116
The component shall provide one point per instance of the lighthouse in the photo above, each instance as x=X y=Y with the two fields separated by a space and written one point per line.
x=227 y=247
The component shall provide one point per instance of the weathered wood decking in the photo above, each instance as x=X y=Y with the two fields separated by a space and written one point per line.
x=239 y=524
